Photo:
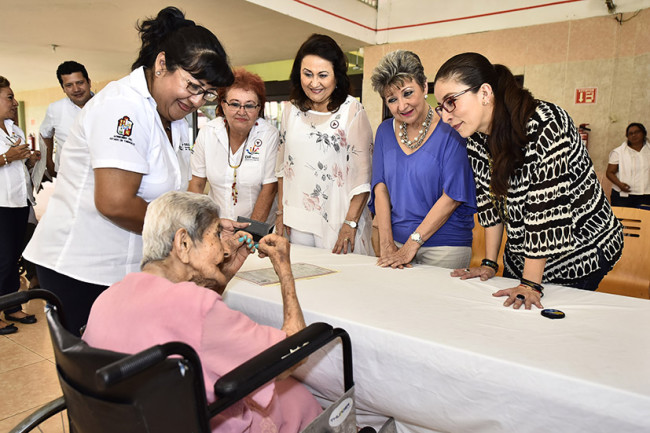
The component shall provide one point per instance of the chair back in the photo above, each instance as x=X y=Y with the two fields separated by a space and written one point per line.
x=631 y=275
x=159 y=395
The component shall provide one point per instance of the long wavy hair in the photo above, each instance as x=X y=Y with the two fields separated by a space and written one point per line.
x=186 y=45
x=325 y=47
x=513 y=107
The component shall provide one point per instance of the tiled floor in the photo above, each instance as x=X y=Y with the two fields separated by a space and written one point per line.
x=27 y=373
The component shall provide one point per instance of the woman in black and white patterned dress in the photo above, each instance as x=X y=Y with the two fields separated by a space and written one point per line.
x=534 y=177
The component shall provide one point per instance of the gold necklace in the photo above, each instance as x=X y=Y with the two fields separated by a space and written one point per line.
x=417 y=142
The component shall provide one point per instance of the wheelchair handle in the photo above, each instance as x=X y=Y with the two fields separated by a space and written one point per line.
x=130 y=366
x=15 y=299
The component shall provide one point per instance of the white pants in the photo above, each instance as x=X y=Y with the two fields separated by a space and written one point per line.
x=307 y=239
x=444 y=257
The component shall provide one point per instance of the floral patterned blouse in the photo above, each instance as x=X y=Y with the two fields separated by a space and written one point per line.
x=325 y=159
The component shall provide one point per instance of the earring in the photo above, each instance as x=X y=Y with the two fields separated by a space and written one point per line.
x=485 y=103
x=158 y=73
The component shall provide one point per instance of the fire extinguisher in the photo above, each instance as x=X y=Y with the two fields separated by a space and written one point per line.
x=583 y=129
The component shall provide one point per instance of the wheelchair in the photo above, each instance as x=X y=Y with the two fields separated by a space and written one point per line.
x=161 y=389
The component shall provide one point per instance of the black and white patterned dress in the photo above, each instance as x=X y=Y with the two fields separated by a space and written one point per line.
x=556 y=208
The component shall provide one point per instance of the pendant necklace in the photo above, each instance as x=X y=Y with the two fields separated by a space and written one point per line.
x=233 y=189
x=417 y=142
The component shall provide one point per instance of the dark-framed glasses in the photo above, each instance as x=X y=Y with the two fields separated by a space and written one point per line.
x=236 y=105
x=449 y=103
x=195 y=89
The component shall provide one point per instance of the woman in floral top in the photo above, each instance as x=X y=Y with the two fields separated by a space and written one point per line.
x=324 y=155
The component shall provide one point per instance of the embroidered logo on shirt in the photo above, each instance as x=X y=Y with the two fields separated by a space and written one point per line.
x=253 y=152
x=123 y=131
x=124 y=126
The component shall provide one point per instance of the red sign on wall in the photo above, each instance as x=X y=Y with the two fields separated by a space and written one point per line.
x=586 y=95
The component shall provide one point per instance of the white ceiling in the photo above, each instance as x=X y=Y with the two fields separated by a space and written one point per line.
x=101 y=34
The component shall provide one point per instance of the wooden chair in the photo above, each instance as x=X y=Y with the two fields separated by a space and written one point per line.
x=478 y=246
x=631 y=275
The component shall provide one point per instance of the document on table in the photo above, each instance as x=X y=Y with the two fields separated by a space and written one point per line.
x=267 y=276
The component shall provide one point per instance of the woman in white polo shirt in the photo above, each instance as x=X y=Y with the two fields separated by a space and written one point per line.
x=629 y=169
x=129 y=145
x=15 y=194
x=236 y=153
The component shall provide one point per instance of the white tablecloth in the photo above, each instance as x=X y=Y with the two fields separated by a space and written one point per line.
x=441 y=354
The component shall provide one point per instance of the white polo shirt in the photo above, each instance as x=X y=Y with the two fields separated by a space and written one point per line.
x=57 y=123
x=633 y=168
x=257 y=155
x=118 y=128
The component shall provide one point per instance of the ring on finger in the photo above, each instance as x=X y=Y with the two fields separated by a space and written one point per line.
x=521 y=297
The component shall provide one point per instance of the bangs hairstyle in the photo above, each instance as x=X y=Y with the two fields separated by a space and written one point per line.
x=395 y=68
x=170 y=212
x=244 y=80
x=326 y=48
x=186 y=45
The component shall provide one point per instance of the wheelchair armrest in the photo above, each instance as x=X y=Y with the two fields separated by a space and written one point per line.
x=264 y=367
x=131 y=365
x=37 y=417
x=22 y=297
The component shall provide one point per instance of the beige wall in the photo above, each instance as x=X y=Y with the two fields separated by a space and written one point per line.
x=555 y=60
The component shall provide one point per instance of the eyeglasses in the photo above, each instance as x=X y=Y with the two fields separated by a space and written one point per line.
x=449 y=103
x=195 y=89
x=235 y=106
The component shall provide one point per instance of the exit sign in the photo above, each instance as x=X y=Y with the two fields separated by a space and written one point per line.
x=586 y=95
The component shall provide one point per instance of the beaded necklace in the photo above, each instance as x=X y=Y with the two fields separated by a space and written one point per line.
x=417 y=142
x=233 y=189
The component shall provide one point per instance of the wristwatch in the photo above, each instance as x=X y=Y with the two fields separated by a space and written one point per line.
x=352 y=224
x=416 y=237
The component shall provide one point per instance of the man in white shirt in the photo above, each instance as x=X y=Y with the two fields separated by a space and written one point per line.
x=74 y=80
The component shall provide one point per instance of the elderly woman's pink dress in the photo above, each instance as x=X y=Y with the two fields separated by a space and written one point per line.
x=143 y=310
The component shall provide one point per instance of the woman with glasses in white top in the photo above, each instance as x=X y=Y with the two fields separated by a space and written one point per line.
x=128 y=145
x=236 y=153
x=15 y=197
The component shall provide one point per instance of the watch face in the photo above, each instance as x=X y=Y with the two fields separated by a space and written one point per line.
x=416 y=237
x=351 y=224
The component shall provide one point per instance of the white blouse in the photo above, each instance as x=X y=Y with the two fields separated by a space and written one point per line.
x=15 y=183
x=325 y=159
x=212 y=159
x=633 y=168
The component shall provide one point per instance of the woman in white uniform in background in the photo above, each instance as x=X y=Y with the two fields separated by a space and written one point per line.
x=129 y=145
x=15 y=196
x=236 y=153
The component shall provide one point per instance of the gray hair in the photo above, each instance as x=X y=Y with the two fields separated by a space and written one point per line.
x=395 y=68
x=170 y=212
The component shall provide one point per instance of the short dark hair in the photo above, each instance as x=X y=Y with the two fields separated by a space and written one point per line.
x=324 y=47
x=70 y=67
x=638 y=125
x=4 y=82
x=193 y=48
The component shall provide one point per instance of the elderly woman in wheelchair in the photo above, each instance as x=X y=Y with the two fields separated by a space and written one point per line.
x=189 y=257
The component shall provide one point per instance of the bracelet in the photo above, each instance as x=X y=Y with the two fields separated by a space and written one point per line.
x=4 y=155
x=490 y=264
x=536 y=287
x=278 y=212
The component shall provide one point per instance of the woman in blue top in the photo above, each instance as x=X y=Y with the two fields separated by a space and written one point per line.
x=423 y=191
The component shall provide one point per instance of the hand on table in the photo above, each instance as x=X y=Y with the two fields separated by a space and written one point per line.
x=515 y=294
x=345 y=241
x=400 y=258
x=483 y=272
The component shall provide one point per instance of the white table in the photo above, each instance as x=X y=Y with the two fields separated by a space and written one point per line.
x=441 y=354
